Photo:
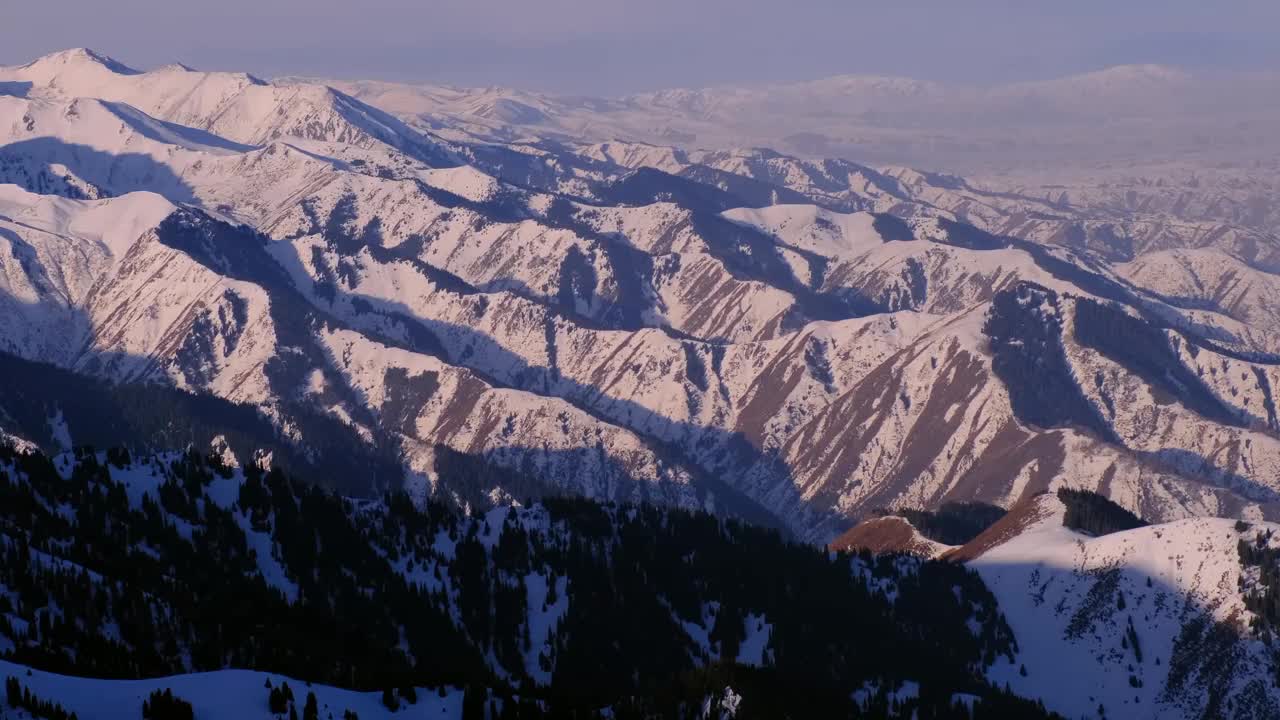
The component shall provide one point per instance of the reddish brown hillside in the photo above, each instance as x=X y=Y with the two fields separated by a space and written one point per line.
x=1022 y=515
x=887 y=535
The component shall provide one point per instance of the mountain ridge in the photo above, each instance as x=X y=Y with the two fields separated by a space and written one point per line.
x=622 y=270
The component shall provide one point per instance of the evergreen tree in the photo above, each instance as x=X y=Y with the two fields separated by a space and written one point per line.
x=164 y=705
x=13 y=692
x=277 y=702
x=473 y=703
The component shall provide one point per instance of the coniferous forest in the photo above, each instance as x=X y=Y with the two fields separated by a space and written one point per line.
x=1095 y=514
x=1260 y=587
x=1263 y=599
x=119 y=565
x=954 y=523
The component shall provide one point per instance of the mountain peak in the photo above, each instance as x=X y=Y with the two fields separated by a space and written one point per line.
x=174 y=67
x=1130 y=76
x=80 y=57
x=891 y=85
x=1143 y=70
x=1118 y=79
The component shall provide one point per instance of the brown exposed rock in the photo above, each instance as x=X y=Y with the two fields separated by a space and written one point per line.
x=1024 y=514
x=889 y=534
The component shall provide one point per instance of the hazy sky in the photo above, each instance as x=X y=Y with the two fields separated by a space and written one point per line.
x=620 y=46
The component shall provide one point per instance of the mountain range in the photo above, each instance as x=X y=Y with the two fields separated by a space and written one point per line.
x=482 y=298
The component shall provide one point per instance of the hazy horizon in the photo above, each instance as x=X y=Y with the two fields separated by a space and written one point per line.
x=615 y=47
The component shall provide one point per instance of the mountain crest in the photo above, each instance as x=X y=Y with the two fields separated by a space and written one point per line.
x=79 y=59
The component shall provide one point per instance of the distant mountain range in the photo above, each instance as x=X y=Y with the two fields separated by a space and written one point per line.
x=485 y=297
x=1131 y=115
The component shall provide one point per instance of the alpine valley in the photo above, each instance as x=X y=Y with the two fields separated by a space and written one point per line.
x=484 y=405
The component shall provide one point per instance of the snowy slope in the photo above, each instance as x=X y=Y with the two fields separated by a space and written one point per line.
x=1079 y=602
x=1215 y=282
x=126 y=299
x=221 y=695
x=235 y=106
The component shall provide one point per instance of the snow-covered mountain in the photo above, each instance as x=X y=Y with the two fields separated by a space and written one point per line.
x=793 y=341
x=232 y=106
x=840 y=103
x=1121 y=218
x=1129 y=156
x=1147 y=113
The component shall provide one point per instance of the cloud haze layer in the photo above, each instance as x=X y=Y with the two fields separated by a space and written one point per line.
x=616 y=46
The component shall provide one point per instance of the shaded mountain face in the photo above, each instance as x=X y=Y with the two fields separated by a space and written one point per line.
x=790 y=341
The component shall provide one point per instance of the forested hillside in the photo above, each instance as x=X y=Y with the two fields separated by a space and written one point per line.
x=119 y=566
x=955 y=523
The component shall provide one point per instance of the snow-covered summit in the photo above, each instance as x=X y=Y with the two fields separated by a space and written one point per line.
x=237 y=107
x=75 y=67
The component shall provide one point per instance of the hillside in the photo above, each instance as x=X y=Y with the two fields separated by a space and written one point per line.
x=120 y=567
x=126 y=567
x=1153 y=622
